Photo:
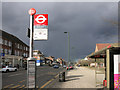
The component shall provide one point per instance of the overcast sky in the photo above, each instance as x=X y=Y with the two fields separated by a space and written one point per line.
x=88 y=24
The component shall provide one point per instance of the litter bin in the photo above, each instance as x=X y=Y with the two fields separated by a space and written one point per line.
x=62 y=77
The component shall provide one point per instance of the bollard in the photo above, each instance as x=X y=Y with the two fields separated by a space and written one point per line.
x=62 y=77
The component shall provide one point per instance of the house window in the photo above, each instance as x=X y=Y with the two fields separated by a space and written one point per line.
x=15 y=52
x=10 y=44
x=1 y=41
x=6 y=42
x=24 y=54
x=10 y=51
x=24 y=48
x=15 y=45
x=18 y=45
x=18 y=53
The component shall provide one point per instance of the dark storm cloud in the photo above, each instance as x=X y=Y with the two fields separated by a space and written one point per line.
x=84 y=21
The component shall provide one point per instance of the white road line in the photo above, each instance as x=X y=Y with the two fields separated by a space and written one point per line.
x=15 y=86
x=8 y=86
x=13 y=75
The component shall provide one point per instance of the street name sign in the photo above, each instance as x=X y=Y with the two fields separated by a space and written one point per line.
x=40 y=27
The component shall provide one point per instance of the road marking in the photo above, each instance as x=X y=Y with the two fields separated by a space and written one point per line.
x=56 y=76
x=47 y=83
x=22 y=86
x=14 y=75
x=21 y=81
x=8 y=86
x=15 y=86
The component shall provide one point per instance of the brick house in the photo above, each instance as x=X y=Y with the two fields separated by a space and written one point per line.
x=13 y=50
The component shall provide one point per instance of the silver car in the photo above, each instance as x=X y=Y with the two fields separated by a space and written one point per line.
x=8 y=69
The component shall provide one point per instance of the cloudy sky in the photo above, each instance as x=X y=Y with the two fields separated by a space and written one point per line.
x=88 y=23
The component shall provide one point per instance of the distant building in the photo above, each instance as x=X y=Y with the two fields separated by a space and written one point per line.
x=93 y=64
x=49 y=60
x=13 y=50
x=100 y=46
x=61 y=61
x=39 y=56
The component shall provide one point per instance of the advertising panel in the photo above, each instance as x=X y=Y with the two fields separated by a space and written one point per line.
x=117 y=71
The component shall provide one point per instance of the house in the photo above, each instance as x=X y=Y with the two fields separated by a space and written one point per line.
x=13 y=50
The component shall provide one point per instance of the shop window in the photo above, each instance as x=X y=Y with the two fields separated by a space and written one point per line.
x=6 y=51
x=2 y=50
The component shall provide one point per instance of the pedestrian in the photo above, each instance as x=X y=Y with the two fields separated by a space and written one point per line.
x=18 y=66
x=25 y=66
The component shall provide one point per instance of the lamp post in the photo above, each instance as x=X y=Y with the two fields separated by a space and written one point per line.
x=68 y=47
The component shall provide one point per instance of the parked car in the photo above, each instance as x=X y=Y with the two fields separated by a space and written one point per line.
x=78 y=65
x=8 y=69
x=64 y=66
x=69 y=68
x=55 y=66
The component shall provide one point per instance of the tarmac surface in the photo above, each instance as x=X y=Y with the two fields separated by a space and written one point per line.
x=18 y=79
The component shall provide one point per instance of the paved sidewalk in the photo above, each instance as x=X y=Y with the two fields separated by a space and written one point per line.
x=81 y=77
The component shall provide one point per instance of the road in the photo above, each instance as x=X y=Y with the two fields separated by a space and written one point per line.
x=19 y=79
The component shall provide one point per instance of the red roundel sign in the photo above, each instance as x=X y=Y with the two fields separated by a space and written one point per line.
x=32 y=11
x=41 y=19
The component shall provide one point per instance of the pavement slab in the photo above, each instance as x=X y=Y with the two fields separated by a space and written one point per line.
x=80 y=77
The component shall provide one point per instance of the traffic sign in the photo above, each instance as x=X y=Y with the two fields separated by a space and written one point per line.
x=41 y=19
x=32 y=11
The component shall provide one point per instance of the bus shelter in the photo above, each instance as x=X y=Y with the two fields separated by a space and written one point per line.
x=111 y=56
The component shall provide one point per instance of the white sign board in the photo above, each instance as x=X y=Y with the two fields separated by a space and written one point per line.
x=116 y=64
x=31 y=74
x=40 y=34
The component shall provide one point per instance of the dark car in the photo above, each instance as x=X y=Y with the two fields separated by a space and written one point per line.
x=55 y=66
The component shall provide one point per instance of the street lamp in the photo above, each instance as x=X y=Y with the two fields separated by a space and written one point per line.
x=68 y=46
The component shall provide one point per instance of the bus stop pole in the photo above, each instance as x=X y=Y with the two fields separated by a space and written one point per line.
x=31 y=37
x=31 y=50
